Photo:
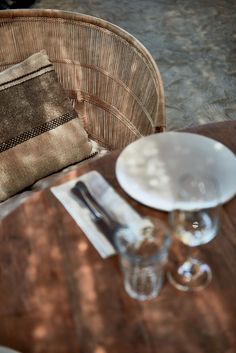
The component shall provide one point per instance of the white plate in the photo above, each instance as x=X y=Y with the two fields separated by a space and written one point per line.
x=149 y=168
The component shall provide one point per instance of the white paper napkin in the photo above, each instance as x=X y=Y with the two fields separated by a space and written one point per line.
x=114 y=204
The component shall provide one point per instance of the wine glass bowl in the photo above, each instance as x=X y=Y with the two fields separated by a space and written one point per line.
x=195 y=227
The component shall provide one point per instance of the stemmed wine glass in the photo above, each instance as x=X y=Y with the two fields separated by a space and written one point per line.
x=194 y=222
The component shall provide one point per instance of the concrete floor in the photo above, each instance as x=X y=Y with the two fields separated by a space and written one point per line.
x=193 y=43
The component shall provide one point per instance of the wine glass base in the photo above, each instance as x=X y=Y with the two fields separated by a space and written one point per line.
x=192 y=275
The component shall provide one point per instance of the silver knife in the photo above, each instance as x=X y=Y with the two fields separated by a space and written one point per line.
x=104 y=222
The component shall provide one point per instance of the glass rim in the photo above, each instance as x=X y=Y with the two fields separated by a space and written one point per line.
x=136 y=259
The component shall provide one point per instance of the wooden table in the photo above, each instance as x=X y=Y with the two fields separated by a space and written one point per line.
x=58 y=295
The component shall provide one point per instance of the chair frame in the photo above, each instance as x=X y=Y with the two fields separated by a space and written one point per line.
x=124 y=121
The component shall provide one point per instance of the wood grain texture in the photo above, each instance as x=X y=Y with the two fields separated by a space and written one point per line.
x=58 y=295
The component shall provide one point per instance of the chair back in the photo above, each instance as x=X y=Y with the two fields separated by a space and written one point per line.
x=110 y=77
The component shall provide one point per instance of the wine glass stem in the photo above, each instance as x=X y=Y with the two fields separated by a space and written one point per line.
x=190 y=269
x=191 y=274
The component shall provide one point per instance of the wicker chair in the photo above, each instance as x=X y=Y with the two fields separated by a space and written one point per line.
x=110 y=77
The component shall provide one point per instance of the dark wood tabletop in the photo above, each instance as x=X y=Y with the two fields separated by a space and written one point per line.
x=58 y=295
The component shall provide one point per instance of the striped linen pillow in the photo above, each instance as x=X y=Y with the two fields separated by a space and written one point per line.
x=40 y=132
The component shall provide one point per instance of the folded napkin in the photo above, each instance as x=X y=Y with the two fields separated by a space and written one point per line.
x=114 y=204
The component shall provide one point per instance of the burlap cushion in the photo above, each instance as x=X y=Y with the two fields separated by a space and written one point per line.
x=40 y=131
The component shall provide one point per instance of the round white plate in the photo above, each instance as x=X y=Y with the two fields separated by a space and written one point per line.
x=149 y=168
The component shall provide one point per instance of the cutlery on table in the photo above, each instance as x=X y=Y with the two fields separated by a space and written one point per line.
x=104 y=222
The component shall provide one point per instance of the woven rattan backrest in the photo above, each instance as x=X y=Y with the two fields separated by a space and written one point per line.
x=110 y=77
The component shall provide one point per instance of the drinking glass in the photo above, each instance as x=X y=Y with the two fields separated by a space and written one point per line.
x=142 y=261
x=195 y=222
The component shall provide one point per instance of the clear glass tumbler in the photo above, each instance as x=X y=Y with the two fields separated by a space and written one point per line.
x=143 y=261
